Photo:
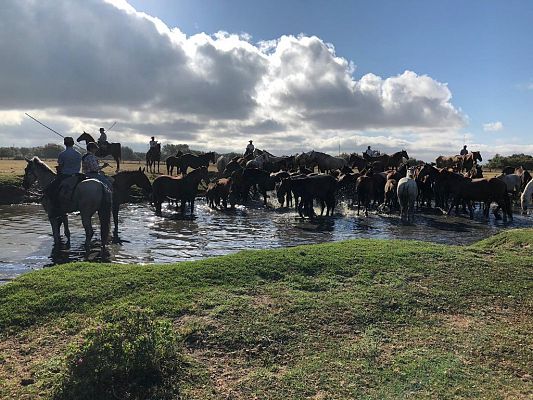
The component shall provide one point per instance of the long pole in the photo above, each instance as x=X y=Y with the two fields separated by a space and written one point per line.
x=47 y=127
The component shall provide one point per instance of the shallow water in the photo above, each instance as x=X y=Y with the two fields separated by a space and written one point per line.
x=26 y=241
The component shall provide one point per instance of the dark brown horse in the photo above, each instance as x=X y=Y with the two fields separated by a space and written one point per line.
x=356 y=161
x=192 y=160
x=470 y=159
x=255 y=177
x=173 y=161
x=123 y=181
x=184 y=188
x=112 y=149
x=484 y=190
x=153 y=156
x=217 y=192
x=454 y=162
x=365 y=193
x=392 y=161
x=309 y=188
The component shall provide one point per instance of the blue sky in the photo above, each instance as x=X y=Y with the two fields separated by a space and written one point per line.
x=483 y=49
x=427 y=73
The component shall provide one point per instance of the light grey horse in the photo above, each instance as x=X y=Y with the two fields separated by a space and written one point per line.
x=525 y=200
x=89 y=196
x=221 y=163
x=407 y=194
x=513 y=182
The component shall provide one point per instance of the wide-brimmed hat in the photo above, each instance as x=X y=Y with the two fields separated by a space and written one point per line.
x=102 y=130
x=251 y=141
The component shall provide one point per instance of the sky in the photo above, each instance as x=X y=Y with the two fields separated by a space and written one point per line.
x=424 y=76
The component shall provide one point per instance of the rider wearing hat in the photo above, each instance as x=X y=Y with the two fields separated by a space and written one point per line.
x=249 y=149
x=91 y=166
x=102 y=140
x=153 y=142
x=68 y=164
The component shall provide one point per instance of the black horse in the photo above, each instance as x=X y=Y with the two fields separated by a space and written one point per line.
x=152 y=156
x=191 y=160
x=121 y=185
x=112 y=149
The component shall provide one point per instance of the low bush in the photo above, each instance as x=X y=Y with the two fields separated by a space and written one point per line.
x=130 y=355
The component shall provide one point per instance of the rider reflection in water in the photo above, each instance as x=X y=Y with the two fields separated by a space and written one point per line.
x=92 y=168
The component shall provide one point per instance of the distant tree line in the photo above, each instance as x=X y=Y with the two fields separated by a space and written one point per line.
x=516 y=160
x=52 y=150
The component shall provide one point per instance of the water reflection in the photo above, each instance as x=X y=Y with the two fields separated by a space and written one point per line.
x=146 y=238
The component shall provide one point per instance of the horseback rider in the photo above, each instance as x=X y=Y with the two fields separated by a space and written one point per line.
x=92 y=168
x=102 y=140
x=464 y=151
x=371 y=153
x=68 y=164
x=249 y=149
x=153 y=143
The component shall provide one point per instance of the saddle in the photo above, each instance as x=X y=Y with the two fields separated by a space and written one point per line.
x=102 y=151
x=68 y=186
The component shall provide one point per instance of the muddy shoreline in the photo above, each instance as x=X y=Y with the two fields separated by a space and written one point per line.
x=12 y=194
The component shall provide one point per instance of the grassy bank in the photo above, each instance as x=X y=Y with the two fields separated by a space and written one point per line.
x=359 y=319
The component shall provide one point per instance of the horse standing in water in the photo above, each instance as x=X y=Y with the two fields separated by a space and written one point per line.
x=89 y=196
x=407 y=194
x=181 y=188
x=525 y=200
x=152 y=156
x=122 y=182
x=112 y=149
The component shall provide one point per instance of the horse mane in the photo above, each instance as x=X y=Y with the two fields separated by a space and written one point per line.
x=41 y=164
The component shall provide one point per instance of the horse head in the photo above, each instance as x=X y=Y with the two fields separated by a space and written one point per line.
x=29 y=176
x=85 y=136
x=404 y=154
x=142 y=181
x=477 y=155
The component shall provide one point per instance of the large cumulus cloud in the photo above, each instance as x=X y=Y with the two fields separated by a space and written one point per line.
x=89 y=63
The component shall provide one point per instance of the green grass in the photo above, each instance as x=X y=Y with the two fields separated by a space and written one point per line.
x=370 y=319
x=12 y=180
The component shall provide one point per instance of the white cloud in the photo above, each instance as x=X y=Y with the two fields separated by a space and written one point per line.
x=493 y=126
x=82 y=65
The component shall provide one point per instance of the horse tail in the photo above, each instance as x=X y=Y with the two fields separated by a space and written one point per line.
x=104 y=214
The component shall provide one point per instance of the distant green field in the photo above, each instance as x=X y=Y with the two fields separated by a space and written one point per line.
x=373 y=319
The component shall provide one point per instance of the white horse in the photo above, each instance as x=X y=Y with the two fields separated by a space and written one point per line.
x=513 y=182
x=407 y=194
x=88 y=197
x=525 y=200
x=222 y=161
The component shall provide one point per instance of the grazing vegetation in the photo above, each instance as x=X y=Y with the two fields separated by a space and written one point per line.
x=359 y=319
x=515 y=161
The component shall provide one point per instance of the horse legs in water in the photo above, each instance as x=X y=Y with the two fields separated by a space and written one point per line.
x=66 y=230
x=115 y=219
x=89 y=232
x=55 y=224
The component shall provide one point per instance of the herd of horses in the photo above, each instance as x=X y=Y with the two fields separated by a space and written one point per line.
x=385 y=183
